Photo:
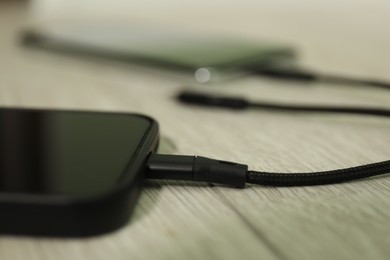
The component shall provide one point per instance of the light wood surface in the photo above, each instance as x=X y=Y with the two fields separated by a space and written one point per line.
x=176 y=220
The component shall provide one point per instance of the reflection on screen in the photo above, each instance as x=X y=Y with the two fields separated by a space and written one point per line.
x=65 y=152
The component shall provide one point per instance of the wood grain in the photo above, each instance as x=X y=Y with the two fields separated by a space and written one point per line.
x=176 y=220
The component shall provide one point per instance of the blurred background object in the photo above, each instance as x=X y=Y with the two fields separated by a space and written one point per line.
x=322 y=31
x=204 y=56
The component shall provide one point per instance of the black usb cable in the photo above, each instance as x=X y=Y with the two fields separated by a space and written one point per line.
x=238 y=103
x=308 y=76
x=201 y=169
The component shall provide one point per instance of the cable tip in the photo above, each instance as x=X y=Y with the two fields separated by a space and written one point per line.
x=196 y=168
x=195 y=98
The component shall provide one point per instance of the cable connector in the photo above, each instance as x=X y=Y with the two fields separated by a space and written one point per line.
x=196 y=168
x=197 y=98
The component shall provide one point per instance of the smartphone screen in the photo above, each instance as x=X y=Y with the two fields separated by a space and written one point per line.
x=66 y=153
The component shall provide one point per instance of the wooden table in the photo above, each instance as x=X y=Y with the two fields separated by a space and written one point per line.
x=175 y=220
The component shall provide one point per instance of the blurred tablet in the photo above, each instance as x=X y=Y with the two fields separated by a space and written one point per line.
x=206 y=57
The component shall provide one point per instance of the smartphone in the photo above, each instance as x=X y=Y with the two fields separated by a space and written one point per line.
x=206 y=57
x=71 y=173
